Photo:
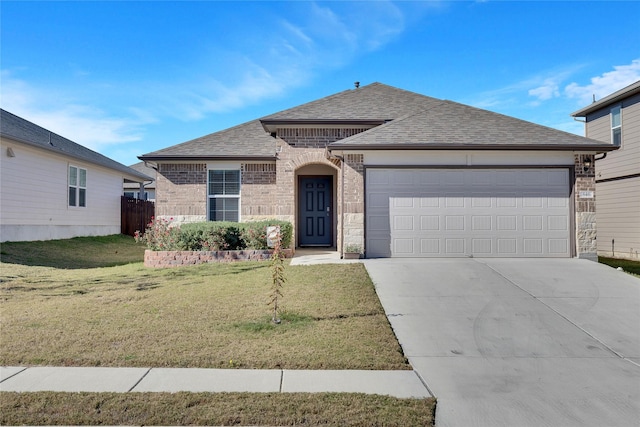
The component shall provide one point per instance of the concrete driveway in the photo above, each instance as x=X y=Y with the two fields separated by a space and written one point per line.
x=518 y=342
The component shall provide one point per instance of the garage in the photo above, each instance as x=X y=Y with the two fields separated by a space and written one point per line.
x=448 y=212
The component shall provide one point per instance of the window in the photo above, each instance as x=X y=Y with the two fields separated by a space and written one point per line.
x=616 y=126
x=224 y=195
x=77 y=186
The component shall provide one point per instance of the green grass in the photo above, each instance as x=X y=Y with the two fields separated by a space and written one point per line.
x=272 y=409
x=627 y=265
x=196 y=316
x=77 y=253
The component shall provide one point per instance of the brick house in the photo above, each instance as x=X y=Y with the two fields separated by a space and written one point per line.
x=615 y=119
x=397 y=173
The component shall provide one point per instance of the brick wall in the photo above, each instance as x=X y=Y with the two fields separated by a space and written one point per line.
x=258 y=191
x=315 y=137
x=585 y=181
x=181 y=191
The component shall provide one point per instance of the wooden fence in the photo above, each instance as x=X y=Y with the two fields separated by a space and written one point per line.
x=135 y=215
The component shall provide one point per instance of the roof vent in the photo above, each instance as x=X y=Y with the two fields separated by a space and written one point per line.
x=356 y=84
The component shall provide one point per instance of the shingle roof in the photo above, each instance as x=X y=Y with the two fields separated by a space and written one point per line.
x=19 y=129
x=248 y=140
x=410 y=120
x=450 y=125
x=143 y=168
x=376 y=101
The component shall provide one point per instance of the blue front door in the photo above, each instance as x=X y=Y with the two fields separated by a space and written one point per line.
x=315 y=212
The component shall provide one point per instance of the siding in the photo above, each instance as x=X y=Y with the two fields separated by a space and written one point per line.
x=626 y=160
x=34 y=197
x=618 y=218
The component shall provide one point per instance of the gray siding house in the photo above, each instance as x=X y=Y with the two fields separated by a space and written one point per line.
x=615 y=119
x=397 y=173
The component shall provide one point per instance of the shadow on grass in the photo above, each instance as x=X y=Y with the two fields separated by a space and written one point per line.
x=76 y=253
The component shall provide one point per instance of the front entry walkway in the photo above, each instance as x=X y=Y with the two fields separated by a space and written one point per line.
x=307 y=256
x=518 y=342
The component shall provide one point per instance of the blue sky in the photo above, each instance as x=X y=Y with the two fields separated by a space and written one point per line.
x=127 y=78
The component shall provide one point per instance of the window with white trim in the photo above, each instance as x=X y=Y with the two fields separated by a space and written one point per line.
x=616 y=126
x=77 y=186
x=224 y=195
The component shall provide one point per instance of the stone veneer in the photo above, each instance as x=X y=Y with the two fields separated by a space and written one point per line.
x=164 y=259
x=585 y=219
x=354 y=201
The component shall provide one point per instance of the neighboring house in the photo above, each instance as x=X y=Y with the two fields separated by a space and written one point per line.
x=132 y=189
x=398 y=173
x=615 y=120
x=53 y=188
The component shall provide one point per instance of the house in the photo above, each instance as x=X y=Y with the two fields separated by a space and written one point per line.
x=615 y=120
x=132 y=189
x=397 y=173
x=53 y=188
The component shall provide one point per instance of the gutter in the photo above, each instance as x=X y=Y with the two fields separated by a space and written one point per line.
x=475 y=147
x=204 y=158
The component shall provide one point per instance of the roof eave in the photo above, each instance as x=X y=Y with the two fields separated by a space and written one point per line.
x=623 y=93
x=476 y=147
x=136 y=174
x=173 y=157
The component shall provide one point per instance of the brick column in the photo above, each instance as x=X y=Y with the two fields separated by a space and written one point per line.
x=585 y=203
x=353 y=200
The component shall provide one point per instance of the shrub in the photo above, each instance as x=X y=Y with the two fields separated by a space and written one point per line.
x=212 y=235
x=160 y=235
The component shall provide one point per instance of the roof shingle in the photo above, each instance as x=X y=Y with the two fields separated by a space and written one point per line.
x=19 y=129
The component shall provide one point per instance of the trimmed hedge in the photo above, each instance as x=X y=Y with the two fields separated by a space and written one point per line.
x=217 y=235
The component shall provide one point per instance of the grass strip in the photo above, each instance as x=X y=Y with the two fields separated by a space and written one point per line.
x=247 y=409
x=627 y=265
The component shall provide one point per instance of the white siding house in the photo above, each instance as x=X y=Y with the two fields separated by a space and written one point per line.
x=53 y=188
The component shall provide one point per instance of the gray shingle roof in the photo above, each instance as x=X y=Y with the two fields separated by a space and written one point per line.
x=248 y=140
x=450 y=125
x=376 y=101
x=413 y=120
x=19 y=129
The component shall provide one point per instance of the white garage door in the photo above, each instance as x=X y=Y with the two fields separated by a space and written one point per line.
x=470 y=212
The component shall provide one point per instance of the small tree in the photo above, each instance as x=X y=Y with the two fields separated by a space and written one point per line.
x=278 y=278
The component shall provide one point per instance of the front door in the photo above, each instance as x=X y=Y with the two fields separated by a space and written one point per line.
x=315 y=212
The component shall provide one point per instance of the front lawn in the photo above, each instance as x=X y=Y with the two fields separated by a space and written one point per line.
x=208 y=316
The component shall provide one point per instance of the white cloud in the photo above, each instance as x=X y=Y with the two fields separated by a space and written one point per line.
x=549 y=89
x=287 y=56
x=606 y=84
x=84 y=124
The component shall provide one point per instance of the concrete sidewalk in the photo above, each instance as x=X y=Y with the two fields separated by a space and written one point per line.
x=401 y=384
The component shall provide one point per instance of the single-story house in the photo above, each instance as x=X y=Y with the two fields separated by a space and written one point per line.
x=615 y=119
x=54 y=188
x=397 y=173
x=132 y=189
